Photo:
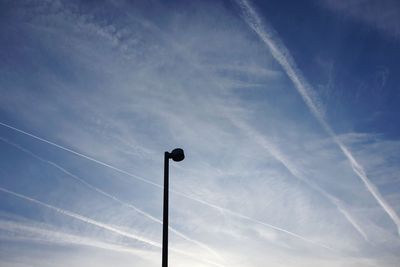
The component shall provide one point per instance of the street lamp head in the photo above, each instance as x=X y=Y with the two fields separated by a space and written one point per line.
x=177 y=154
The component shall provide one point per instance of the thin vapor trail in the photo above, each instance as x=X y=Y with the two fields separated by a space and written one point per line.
x=284 y=58
x=269 y=146
x=245 y=217
x=83 y=218
x=82 y=155
x=172 y=191
x=350 y=218
x=112 y=197
x=102 y=225
x=275 y=153
x=260 y=139
x=298 y=173
x=52 y=236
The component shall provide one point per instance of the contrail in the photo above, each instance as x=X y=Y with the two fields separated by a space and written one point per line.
x=82 y=155
x=284 y=58
x=239 y=215
x=298 y=173
x=172 y=191
x=261 y=139
x=83 y=218
x=102 y=225
x=52 y=236
x=350 y=218
x=112 y=197
x=271 y=148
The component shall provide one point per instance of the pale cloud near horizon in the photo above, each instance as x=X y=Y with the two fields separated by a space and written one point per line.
x=123 y=89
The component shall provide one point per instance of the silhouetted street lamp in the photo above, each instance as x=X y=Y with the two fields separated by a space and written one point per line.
x=176 y=155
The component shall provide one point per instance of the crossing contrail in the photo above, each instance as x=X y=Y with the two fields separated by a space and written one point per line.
x=278 y=155
x=103 y=225
x=269 y=146
x=112 y=197
x=221 y=209
x=304 y=88
x=293 y=170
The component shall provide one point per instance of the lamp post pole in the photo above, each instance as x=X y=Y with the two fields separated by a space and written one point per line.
x=165 y=212
x=176 y=155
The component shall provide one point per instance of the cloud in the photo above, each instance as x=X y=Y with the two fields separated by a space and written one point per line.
x=147 y=181
x=382 y=16
x=101 y=225
x=34 y=232
x=114 y=198
x=81 y=218
x=282 y=55
x=121 y=84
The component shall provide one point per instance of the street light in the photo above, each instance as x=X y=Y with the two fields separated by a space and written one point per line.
x=176 y=155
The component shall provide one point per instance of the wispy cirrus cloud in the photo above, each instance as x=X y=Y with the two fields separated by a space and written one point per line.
x=36 y=232
x=222 y=209
x=382 y=15
x=282 y=55
x=116 y=84
x=99 y=224
x=114 y=198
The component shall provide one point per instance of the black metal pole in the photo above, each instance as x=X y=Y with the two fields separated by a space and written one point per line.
x=165 y=212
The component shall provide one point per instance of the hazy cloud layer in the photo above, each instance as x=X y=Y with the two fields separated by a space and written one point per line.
x=93 y=94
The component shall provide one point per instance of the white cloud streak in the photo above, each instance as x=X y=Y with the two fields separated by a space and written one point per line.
x=284 y=58
x=273 y=150
x=40 y=234
x=282 y=158
x=382 y=15
x=112 y=197
x=103 y=225
x=81 y=155
x=173 y=191
x=83 y=218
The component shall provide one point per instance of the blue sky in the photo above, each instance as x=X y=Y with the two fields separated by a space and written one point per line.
x=287 y=111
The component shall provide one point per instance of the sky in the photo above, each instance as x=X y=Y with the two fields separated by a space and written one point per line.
x=287 y=112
